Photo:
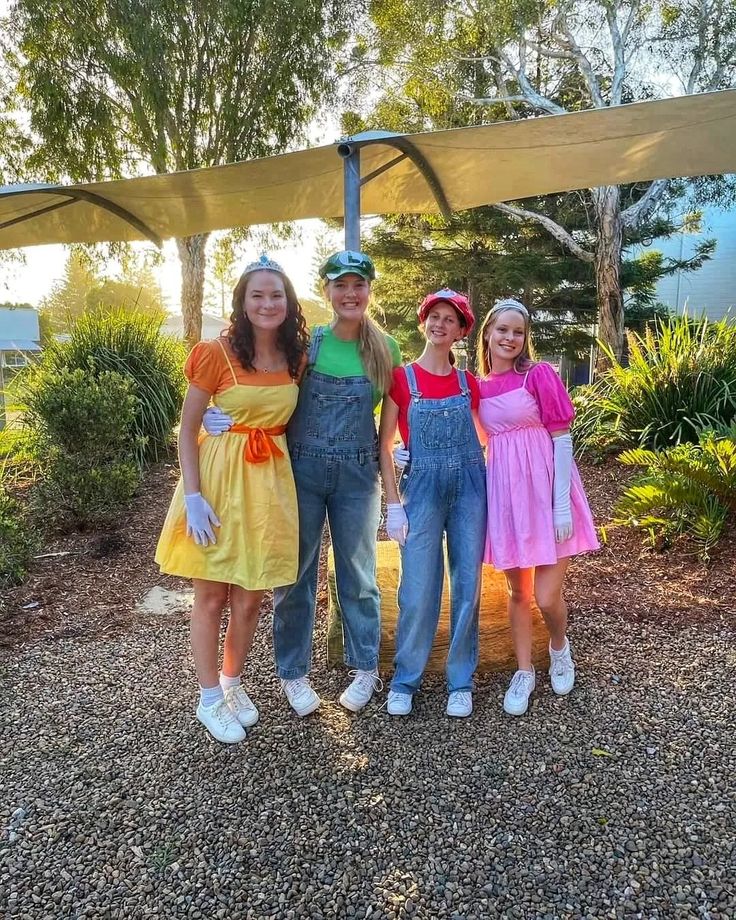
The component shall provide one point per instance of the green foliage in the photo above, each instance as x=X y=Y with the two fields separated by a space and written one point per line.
x=688 y=488
x=130 y=344
x=681 y=379
x=18 y=541
x=84 y=425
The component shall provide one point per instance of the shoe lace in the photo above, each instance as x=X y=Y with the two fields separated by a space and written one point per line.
x=462 y=697
x=239 y=698
x=366 y=679
x=519 y=682
x=298 y=687
x=224 y=714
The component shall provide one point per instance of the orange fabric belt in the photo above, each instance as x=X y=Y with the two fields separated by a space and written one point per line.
x=260 y=444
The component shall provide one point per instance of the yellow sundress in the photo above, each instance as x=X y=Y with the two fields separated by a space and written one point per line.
x=245 y=475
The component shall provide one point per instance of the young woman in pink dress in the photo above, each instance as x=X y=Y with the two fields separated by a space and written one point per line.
x=538 y=515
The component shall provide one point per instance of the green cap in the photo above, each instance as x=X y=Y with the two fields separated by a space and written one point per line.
x=348 y=262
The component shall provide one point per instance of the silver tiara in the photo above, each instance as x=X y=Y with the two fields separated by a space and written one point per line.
x=263 y=263
x=509 y=303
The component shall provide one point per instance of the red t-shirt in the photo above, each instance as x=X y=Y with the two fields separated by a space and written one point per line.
x=431 y=386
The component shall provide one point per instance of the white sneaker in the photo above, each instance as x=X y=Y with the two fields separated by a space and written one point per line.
x=398 y=704
x=561 y=669
x=360 y=690
x=220 y=722
x=460 y=703
x=241 y=706
x=516 y=700
x=301 y=696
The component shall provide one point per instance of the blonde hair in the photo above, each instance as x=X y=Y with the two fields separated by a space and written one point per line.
x=375 y=354
x=524 y=360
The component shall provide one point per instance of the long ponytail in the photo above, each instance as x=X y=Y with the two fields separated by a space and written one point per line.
x=375 y=354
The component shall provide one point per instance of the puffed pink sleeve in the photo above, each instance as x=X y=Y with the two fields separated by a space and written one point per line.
x=555 y=406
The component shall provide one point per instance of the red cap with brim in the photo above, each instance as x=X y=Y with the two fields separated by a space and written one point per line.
x=458 y=301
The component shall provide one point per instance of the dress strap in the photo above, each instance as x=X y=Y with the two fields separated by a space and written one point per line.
x=463 y=381
x=227 y=358
x=319 y=332
x=523 y=382
x=411 y=379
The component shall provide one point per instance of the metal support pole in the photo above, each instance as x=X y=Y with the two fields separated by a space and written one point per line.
x=351 y=176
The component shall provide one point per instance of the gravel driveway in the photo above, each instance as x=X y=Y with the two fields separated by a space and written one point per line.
x=619 y=801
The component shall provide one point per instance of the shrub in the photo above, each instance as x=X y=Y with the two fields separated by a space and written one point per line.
x=689 y=488
x=681 y=379
x=17 y=542
x=130 y=344
x=84 y=426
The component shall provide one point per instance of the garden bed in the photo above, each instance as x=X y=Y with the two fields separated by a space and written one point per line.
x=89 y=584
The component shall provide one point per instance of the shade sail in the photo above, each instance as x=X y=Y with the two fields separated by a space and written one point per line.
x=686 y=136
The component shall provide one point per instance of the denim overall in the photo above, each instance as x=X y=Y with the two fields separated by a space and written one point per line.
x=334 y=455
x=443 y=490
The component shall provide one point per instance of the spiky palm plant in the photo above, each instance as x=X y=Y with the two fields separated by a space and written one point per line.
x=681 y=379
x=688 y=488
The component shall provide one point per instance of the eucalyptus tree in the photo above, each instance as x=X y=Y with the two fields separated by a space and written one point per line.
x=515 y=60
x=123 y=87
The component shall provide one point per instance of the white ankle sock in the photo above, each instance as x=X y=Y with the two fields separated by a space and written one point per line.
x=210 y=695
x=227 y=682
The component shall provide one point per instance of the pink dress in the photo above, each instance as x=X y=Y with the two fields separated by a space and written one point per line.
x=520 y=472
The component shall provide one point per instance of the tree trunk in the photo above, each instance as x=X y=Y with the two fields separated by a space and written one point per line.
x=607 y=201
x=192 y=257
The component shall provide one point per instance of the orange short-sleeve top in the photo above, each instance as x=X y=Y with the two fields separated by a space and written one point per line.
x=207 y=368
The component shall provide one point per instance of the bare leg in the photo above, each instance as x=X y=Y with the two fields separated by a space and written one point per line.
x=244 y=609
x=210 y=598
x=520 y=614
x=548 y=580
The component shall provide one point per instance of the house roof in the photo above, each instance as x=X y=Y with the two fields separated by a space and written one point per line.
x=19 y=345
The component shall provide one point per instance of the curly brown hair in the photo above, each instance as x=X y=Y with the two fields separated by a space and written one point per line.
x=292 y=338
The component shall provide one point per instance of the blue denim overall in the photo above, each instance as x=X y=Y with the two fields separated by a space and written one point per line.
x=443 y=490
x=334 y=454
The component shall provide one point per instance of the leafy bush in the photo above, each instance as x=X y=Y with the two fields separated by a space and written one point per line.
x=130 y=344
x=689 y=488
x=681 y=379
x=17 y=542
x=85 y=442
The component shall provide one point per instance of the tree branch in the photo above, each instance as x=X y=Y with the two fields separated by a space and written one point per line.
x=551 y=226
x=634 y=214
x=567 y=42
x=530 y=94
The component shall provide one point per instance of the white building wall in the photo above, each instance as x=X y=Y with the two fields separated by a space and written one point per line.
x=711 y=289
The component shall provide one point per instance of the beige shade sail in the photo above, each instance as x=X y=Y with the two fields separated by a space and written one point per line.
x=420 y=173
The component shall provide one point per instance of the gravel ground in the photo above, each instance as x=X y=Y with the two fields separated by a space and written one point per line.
x=619 y=801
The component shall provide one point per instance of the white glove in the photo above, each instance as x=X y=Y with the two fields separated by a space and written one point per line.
x=200 y=518
x=397 y=523
x=401 y=456
x=215 y=421
x=561 y=508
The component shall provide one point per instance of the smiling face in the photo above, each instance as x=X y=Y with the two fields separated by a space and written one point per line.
x=265 y=302
x=442 y=326
x=349 y=296
x=505 y=338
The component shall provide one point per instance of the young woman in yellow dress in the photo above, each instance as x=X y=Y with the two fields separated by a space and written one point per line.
x=232 y=524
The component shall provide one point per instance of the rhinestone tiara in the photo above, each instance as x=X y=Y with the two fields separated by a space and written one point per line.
x=263 y=263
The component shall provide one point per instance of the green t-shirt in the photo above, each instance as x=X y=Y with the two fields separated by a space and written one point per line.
x=338 y=358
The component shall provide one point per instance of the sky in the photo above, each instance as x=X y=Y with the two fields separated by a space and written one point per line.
x=44 y=266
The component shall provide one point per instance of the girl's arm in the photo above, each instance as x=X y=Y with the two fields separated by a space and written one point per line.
x=200 y=516
x=386 y=438
x=195 y=402
x=561 y=505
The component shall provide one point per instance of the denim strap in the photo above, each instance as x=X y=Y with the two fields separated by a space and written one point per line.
x=319 y=332
x=411 y=379
x=463 y=380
